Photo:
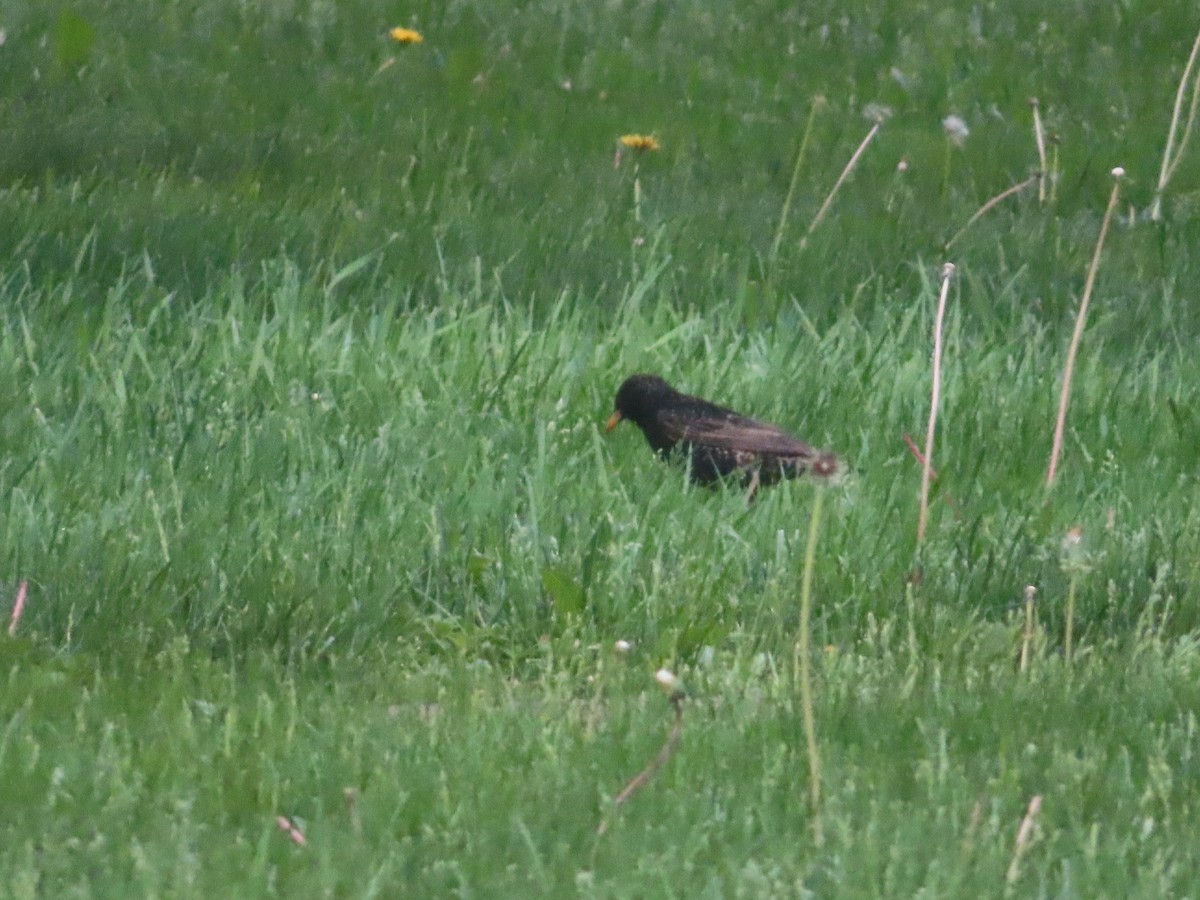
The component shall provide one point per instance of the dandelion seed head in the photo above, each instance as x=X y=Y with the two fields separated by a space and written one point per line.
x=877 y=113
x=956 y=130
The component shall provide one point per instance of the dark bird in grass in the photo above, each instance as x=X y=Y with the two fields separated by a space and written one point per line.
x=717 y=442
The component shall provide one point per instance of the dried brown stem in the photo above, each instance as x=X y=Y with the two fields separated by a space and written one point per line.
x=982 y=211
x=1077 y=336
x=295 y=835
x=917 y=454
x=934 y=400
x=1039 y=137
x=642 y=778
x=18 y=608
x=1171 y=155
x=841 y=179
x=1024 y=833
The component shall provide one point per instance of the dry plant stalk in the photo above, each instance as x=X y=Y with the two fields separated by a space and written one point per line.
x=18 y=608
x=637 y=193
x=1077 y=336
x=1024 y=833
x=917 y=454
x=1039 y=137
x=1171 y=154
x=982 y=211
x=920 y=458
x=642 y=778
x=934 y=400
x=841 y=180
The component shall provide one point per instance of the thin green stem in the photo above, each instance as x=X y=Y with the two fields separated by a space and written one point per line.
x=946 y=170
x=805 y=653
x=1027 y=630
x=791 y=191
x=1068 y=635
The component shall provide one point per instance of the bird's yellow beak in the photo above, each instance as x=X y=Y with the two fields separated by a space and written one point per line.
x=613 y=421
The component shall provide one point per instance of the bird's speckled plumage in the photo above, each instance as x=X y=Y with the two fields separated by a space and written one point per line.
x=718 y=442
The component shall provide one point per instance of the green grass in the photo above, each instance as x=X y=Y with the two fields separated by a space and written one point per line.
x=303 y=366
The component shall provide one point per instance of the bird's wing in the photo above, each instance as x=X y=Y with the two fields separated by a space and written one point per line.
x=734 y=432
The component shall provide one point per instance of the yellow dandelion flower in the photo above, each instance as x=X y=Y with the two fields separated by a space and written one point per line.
x=640 y=142
x=406 y=36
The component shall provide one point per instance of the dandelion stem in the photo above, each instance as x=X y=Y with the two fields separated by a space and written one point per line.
x=642 y=778
x=841 y=178
x=934 y=400
x=1187 y=127
x=1024 y=833
x=18 y=608
x=637 y=194
x=1077 y=336
x=1039 y=137
x=1171 y=156
x=805 y=654
x=983 y=210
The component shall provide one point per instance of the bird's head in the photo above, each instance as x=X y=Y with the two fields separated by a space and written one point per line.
x=639 y=398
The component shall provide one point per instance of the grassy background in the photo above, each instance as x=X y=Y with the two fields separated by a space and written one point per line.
x=307 y=338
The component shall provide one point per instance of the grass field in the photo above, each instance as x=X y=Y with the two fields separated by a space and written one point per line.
x=308 y=341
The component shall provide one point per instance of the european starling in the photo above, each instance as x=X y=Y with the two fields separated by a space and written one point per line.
x=717 y=442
